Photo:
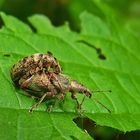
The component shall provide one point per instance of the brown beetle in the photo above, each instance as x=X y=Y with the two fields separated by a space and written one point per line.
x=33 y=64
x=56 y=86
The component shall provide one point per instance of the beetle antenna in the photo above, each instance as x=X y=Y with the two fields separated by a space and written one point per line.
x=102 y=104
x=102 y=91
x=99 y=101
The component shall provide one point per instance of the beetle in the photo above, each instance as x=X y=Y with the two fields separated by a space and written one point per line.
x=40 y=76
x=44 y=87
x=32 y=64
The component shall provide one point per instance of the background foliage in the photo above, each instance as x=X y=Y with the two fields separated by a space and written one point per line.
x=114 y=33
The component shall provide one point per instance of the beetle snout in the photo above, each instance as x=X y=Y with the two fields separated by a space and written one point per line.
x=88 y=93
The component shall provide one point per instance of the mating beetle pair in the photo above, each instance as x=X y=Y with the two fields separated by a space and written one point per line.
x=40 y=76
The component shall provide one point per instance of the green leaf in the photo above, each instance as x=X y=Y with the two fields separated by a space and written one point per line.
x=38 y=125
x=14 y=24
x=119 y=72
x=95 y=26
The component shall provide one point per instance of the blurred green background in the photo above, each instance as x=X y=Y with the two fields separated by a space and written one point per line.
x=61 y=11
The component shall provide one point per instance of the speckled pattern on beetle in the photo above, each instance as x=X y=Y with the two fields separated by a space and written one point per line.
x=33 y=64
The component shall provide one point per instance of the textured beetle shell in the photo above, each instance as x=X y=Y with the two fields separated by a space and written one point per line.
x=33 y=64
x=59 y=83
x=39 y=85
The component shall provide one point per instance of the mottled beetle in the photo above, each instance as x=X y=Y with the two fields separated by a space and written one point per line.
x=40 y=75
x=33 y=64
x=42 y=86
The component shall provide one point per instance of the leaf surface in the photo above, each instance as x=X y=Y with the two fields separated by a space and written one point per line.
x=119 y=72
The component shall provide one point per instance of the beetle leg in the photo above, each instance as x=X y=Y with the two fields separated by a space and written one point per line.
x=52 y=106
x=48 y=94
x=73 y=96
x=60 y=86
x=59 y=97
x=29 y=95
x=25 y=83
x=80 y=105
x=37 y=103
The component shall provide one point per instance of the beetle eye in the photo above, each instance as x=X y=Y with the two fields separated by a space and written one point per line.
x=65 y=82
